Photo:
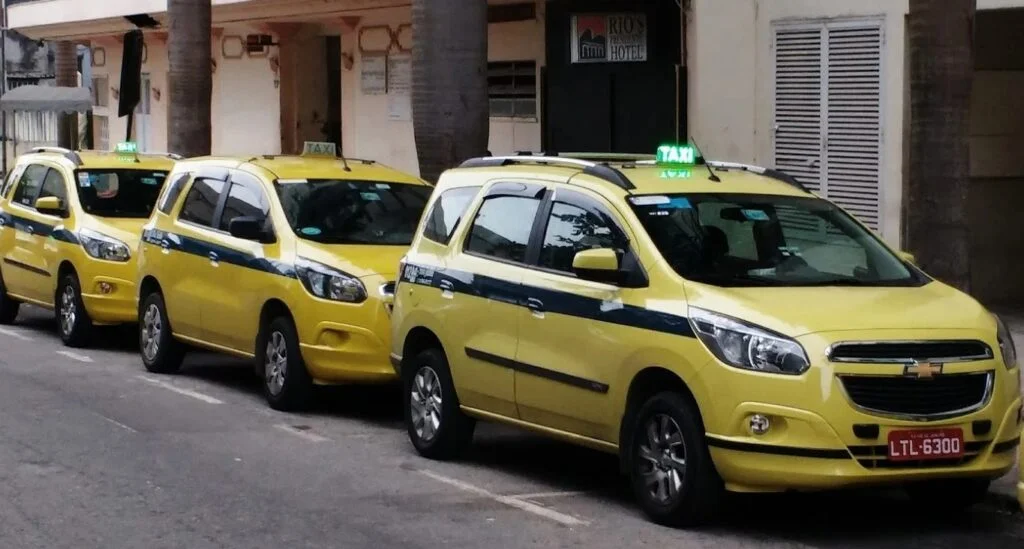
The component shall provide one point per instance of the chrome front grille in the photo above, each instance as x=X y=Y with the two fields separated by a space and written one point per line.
x=942 y=396
x=906 y=352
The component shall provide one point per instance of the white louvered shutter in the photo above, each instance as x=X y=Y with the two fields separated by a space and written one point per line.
x=828 y=126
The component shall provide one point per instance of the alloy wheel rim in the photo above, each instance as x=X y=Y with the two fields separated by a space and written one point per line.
x=276 y=362
x=151 y=328
x=68 y=310
x=425 y=399
x=662 y=459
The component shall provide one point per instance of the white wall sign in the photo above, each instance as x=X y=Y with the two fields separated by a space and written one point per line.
x=400 y=87
x=374 y=74
x=609 y=38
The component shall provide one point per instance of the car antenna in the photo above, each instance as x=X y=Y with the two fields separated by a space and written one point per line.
x=711 y=173
x=344 y=162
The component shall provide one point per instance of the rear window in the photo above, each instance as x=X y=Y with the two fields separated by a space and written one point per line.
x=333 y=211
x=119 y=192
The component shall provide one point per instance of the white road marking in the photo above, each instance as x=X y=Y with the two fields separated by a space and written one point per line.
x=561 y=518
x=75 y=356
x=187 y=392
x=118 y=423
x=543 y=495
x=312 y=437
x=15 y=335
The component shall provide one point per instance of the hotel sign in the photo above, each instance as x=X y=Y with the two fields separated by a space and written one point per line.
x=609 y=38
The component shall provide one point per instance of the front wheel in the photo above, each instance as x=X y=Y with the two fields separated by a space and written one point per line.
x=673 y=477
x=73 y=320
x=161 y=353
x=287 y=385
x=437 y=427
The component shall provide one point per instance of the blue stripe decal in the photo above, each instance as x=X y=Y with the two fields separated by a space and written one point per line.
x=37 y=228
x=557 y=302
x=194 y=246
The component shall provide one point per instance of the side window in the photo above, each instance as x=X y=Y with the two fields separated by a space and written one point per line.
x=28 y=187
x=53 y=185
x=201 y=201
x=447 y=212
x=502 y=227
x=12 y=177
x=245 y=199
x=574 y=226
x=173 y=192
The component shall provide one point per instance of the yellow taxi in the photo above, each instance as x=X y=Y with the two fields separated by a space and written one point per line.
x=287 y=260
x=716 y=325
x=1020 y=465
x=68 y=224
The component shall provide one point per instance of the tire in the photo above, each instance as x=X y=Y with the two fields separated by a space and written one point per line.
x=8 y=306
x=678 y=433
x=73 y=322
x=440 y=432
x=160 y=352
x=287 y=384
x=949 y=495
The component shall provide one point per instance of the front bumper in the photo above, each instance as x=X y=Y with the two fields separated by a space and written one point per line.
x=819 y=439
x=109 y=292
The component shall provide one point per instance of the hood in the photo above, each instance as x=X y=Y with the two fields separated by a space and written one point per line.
x=360 y=261
x=127 y=230
x=797 y=311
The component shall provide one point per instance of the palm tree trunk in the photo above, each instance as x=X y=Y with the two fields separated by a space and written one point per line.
x=66 y=61
x=941 y=76
x=449 y=72
x=191 y=77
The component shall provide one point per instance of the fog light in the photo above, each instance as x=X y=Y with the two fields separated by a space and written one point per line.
x=759 y=424
x=105 y=287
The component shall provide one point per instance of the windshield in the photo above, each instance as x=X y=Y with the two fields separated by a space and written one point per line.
x=119 y=192
x=763 y=240
x=335 y=211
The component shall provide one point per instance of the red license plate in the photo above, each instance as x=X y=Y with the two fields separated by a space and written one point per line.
x=926 y=444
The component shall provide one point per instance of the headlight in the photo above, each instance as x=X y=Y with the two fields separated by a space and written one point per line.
x=328 y=283
x=1006 y=345
x=102 y=246
x=746 y=346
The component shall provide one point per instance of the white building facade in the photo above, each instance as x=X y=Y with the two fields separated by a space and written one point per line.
x=818 y=88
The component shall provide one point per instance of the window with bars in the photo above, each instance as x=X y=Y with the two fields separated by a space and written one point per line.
x=101 y=132
x=512 y=89
x=827 y=112
x=100 y=92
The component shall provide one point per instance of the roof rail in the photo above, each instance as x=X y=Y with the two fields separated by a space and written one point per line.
x=596 y=169
x=67 y=153
x=773 y=173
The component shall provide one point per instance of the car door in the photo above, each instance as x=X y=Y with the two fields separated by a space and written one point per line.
x=482 y=285
x=8 y=239
x=570 y=345
x=242 y=271
x=192 y=280
x=25 y=272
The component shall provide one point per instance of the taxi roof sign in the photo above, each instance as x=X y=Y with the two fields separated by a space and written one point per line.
x=127 y=147
x=317 y=148
x=676 y=154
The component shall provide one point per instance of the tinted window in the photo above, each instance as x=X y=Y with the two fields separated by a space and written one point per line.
x=502 y=227
x=29 y=186
x=12 y=177
x=53 y=185
x=201 y=201
x=171 y=197
x=572 y=229
x=448 y=210
x=245 y=199
x=119 y=192
x=336 y=211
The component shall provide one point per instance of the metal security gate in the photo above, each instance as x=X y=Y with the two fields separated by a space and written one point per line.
x=828 y=110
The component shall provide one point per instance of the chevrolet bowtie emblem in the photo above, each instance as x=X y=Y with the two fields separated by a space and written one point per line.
x=922 y=370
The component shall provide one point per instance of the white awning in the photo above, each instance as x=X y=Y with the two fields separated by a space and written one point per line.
x=47 y=99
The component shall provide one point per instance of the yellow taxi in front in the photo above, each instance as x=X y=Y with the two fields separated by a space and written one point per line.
x=287 y=260
x=716 y=325
x=68 y=224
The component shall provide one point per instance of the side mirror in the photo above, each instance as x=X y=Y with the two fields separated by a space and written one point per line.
x=908 y=257
x=248 y=228
x=50 y=205
x=598 y=265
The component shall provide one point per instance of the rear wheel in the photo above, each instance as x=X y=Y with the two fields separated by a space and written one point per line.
x=8 y=306
x=954 y=494
x=287 y=384
x=73 y=320
x=437 y=427
x=673 y=477
x=161 y=353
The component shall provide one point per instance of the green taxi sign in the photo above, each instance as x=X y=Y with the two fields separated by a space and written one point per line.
x=317 y=148
x=127 y=147
x=676 y=154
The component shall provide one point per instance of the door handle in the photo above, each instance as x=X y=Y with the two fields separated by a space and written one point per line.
x=447 y=289
x=213 y=257
x=536 y=307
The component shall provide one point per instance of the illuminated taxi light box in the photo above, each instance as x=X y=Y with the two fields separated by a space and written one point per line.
x=676 y=154
x=317 y=148
x=127 y=150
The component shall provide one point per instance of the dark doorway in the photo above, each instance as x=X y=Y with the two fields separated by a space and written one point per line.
x=332 y=124
x=616 y=86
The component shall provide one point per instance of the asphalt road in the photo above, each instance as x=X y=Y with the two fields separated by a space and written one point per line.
x=96 y=453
